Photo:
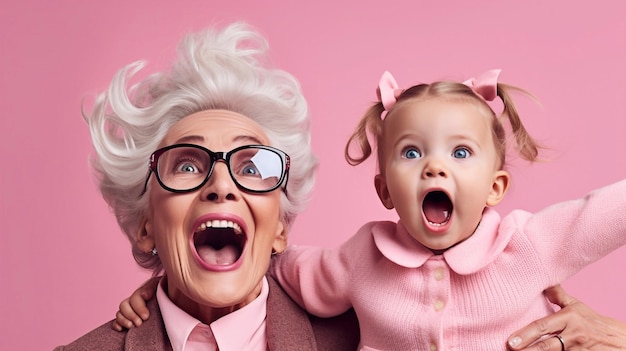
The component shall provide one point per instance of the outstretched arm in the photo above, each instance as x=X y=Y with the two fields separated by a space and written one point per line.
x=133 y=310
x=313 y=277
x=580 y=328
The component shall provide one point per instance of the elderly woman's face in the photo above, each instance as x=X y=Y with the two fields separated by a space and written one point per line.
x=215 y=243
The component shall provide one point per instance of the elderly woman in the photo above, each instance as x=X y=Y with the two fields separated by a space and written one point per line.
x=226 y=141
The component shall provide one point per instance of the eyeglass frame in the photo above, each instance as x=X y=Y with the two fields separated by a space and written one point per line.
x=215 y=157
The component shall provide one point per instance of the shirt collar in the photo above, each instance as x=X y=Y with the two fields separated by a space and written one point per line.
x=244 y=329
x=468 y=257
x=237 y=330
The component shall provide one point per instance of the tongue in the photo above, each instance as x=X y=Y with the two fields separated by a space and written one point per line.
x=224 y=256
x=436 y=211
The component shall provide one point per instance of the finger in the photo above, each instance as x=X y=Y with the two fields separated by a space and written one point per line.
x=561 y=341
x=548 y=344
x=137 y=306
x=121 y=321
x=552 y=324
x=558 y=296
x=148 y=289
x=127 y=316
x=116 y=326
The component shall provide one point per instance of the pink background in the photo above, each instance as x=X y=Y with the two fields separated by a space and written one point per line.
x=64 y=263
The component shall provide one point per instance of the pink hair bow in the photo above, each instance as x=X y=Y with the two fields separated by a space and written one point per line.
x=387 y=92
x=485 y=85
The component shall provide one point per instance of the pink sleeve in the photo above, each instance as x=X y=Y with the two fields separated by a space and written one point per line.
x=570 y=235
x=319 y=279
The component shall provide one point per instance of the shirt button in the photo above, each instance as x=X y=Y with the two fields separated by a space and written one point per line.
x=439 y=305
x=439 y=274
x=433 y=347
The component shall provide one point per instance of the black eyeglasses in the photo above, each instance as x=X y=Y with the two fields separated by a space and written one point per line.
x=182 y=168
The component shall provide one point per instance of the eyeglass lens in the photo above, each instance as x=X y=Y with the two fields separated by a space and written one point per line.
x=256 y=169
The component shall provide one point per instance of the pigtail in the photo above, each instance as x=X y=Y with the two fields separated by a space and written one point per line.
x=527 y=147
x=371 y=124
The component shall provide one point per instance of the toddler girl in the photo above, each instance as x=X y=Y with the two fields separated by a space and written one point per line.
x=451 y=274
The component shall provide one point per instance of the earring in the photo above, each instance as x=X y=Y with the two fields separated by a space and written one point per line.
x=154 y=252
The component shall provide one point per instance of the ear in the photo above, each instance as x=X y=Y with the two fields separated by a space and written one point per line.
x=383 y=192
x=144 y=237
x=280 y=240
x=498 y=187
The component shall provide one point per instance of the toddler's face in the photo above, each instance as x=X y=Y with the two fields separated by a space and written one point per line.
x=440 y=169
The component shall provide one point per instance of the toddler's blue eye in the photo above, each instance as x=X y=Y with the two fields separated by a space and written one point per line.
x=412 y=153
x=461 y=153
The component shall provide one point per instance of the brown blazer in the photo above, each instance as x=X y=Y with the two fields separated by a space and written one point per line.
x=288 y=328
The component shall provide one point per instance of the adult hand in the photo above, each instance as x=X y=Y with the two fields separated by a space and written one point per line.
x=579 y=326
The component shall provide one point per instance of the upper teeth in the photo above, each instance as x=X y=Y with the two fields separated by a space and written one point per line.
x=216 y=223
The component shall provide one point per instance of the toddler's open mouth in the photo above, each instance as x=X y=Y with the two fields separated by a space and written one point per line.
x=437 y=208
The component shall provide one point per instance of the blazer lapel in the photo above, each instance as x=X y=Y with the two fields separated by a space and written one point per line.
x=151 y=335
x=287 y=325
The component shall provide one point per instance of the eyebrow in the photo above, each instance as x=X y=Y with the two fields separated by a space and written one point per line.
x=200 y=138
x=466 y=138
x=190 y=138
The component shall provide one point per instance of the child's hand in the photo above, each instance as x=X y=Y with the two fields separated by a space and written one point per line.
x=133 y=310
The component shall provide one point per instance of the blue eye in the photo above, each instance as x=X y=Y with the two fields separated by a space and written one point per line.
x=250 y=170
x=461 y=153
x=187 y=166
x=411 y=153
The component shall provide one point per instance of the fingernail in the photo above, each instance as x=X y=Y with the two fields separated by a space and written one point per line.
x=515 y=341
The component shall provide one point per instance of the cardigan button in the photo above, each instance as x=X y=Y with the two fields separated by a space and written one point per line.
x=439 y=274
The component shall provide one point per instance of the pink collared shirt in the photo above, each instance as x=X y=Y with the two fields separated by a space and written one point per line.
x=473 y=296
x=243 y=329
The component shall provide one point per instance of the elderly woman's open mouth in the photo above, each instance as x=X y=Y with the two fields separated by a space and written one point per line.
x=218 y=244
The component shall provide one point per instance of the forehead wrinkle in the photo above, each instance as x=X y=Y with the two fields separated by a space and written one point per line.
x=190 y=139
x=249 y=138
x=200 y=139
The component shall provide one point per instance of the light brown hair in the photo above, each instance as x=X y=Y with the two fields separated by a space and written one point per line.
x=372 y=124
